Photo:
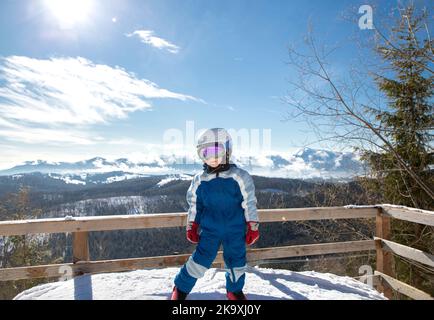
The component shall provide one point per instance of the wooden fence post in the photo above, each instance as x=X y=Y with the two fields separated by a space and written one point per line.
x=384 y=258
x=80 y=246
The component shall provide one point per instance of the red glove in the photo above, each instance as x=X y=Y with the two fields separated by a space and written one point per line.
x=252 y=232
x=193 y=232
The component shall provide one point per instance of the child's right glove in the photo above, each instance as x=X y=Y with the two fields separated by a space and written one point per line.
x=193 y=232
x=252 y=232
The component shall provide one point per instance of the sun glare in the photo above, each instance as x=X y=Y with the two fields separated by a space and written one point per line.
x=70 y=12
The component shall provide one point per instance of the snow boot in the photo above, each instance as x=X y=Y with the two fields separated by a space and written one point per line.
x=235 y=295
x=178 y=294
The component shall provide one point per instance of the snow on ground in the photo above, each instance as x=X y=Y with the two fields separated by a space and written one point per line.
x=157 y=284
x=174 y=178
x=67 y=179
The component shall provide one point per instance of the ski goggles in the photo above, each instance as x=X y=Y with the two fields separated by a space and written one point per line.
x=212 y=152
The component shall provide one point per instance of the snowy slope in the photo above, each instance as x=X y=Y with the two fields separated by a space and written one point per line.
x=156 y=284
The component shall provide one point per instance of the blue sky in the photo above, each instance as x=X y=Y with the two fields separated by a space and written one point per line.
x=111 y=77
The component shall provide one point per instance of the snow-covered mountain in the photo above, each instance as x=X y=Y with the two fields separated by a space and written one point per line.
x=306 y=163
x=157 y=284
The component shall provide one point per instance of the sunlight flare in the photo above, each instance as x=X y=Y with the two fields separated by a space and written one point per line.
x=69 y=13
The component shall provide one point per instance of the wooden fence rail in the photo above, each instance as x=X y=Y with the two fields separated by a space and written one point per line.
x=167 y=220
x=402 y=287
x=406 y=252
x=118 y=265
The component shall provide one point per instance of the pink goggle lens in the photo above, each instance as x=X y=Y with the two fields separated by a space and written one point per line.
x=212 y=152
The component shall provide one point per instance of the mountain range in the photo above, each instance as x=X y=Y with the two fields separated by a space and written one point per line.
x=303 y=164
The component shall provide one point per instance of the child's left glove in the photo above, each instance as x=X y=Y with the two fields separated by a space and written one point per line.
x=252 y=232
x=193 y=232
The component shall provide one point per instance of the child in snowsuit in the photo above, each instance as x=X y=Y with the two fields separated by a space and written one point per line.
x=222 y=211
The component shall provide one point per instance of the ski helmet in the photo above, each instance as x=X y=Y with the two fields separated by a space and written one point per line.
x=217 y=138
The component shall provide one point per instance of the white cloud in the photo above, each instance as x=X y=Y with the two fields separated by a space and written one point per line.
x=148 y=37
x=73 y=90
x=53 y=98
x=39 y=135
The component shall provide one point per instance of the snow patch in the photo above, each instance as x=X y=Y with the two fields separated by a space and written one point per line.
x=122 y=178
x=387 y=205
x=66 y=178
x=174 y=178
x=157 y=284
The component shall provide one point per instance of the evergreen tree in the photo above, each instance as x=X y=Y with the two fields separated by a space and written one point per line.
x=20 y=251
x=407 y=82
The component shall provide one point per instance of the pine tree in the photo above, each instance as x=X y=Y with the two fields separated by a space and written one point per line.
x=20 y=251
x=407 y=82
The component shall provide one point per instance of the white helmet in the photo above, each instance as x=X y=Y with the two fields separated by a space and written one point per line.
x=215 y=137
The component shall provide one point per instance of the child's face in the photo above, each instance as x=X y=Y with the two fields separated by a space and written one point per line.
x=214 y=162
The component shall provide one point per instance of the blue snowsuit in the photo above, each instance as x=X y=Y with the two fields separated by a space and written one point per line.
x=220 y=203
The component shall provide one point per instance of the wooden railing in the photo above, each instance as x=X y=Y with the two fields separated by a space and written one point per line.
x=385 y=249
x=81 y=226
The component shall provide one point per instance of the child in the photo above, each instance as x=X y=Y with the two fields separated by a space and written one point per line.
x=222 y=204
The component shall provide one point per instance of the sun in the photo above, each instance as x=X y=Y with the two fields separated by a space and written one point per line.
x=70 y=12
